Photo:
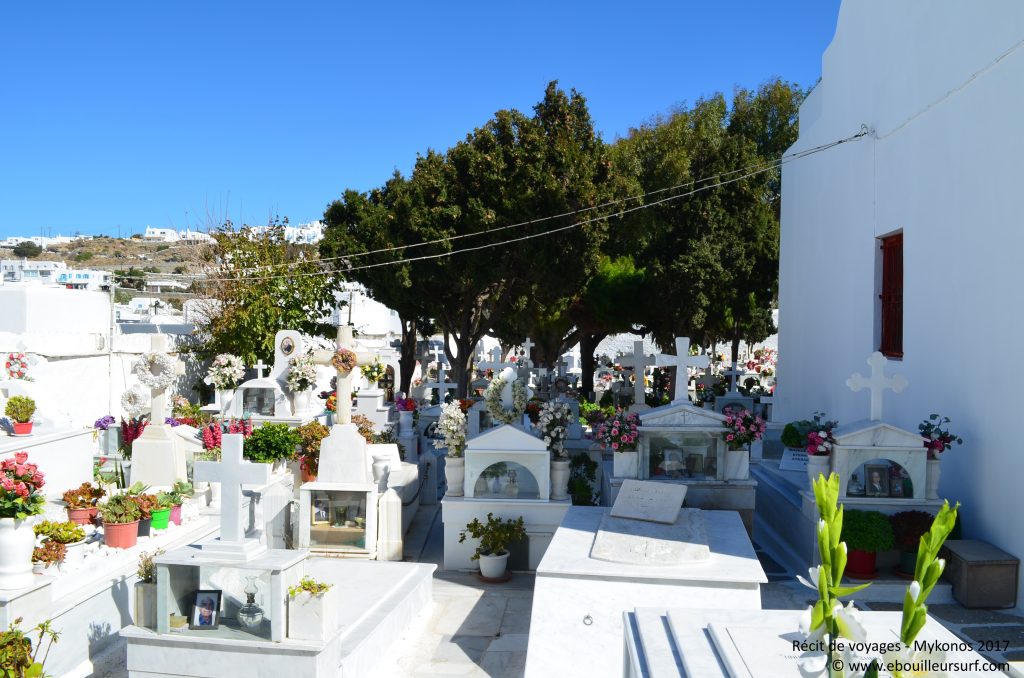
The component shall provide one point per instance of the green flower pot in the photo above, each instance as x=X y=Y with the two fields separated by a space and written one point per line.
x=160 y=519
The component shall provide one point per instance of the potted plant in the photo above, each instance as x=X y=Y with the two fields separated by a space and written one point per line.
x=272 y=444
x=81 y=503
x=20 y=409
x=70 y=535
x=620 y=433
x=17 y=655
x=120 y=521
x=145 y=590
x=147 y=503
x=741 y=429
x=310 y=435
x=47 y=554
x=21 y=499
x=937 y=439
x=552 y=423
x=494 y=536
x=161 y=513
x=310 y=610
x=907 y=529
x=452 y=427
x=865 y=533
x=179 y=492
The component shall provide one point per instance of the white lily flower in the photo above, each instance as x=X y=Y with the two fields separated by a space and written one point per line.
x=812 y=578
x=942 y=564
x=907 y=655
x=848 y=620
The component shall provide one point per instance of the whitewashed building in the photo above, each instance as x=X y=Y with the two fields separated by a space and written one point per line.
x=908 y=241
x=84 y=279
x=31 y=271
x=160 y=235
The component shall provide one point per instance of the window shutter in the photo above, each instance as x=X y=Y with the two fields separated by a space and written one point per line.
x=892 y=296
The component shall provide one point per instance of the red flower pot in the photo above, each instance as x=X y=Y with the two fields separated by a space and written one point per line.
x=81 y=516
x=308 y=477
x=22 y=428
x=121 y=535
x=861 y=564
x=176 y=514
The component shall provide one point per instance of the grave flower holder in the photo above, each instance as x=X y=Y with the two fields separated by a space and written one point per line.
x=311 y=616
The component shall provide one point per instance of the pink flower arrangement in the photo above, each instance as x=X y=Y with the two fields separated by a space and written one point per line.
x=20 y=483
x=743 y=427
x=619 y=433
x=820 y=442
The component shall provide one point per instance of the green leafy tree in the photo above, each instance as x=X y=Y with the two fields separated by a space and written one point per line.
x=26 y=249
x=257 y=284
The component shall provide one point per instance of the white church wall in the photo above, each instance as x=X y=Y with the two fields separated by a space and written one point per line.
x=943 y=167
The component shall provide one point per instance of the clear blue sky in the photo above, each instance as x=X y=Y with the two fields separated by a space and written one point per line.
x=182 y=113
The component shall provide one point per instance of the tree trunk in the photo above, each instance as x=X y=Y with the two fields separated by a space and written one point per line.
x=735 y=344
x=407 y=358
x=462 y=362
x=588 y=345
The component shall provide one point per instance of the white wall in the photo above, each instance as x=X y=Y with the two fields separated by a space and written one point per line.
x=943 y=166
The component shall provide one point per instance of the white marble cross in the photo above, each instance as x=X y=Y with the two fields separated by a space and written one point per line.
x=343 y=411
x=442 y=387
x=639 y=362
x=232 y=471
x=158 y=396
x=497 y=362
x=732 y=373
x=682 y=360
x=528 y=345
x=876 y=383
x=260 y=369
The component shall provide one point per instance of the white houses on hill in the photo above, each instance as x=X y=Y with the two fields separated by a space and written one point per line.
x=908 y=241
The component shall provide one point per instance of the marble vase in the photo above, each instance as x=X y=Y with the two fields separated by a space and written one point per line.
x=559 y=479
x=931 y=490
x=737 y=464
x=145 y=605
x=818 y=464
x=626 y=464
x=16 y=543
x=310 y=616
x=455 y=474
x=302 y=402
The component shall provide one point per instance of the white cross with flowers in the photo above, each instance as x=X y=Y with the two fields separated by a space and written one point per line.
x=343 y=389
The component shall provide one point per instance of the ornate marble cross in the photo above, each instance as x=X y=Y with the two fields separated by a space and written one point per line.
x=682 y=360
x=496 y=362
x=232 y=471
x=877 y=383
x=343 y=411
x=732 y=373
x=158 y=396
x=260 y=369
x=639 y=362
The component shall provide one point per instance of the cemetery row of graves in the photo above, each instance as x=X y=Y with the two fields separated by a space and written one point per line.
x=273 y=518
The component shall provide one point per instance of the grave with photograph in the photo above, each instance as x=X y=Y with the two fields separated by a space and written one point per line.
x=645 y=550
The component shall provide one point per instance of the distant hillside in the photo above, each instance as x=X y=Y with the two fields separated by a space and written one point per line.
x=112 y=254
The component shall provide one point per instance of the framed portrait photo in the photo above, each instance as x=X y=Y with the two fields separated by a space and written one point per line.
x=876 y=480
x=205 y=611
x=287 y=346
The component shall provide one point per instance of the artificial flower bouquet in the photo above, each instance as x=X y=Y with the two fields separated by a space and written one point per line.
x=225 y=372
x=937 y=436
x=619 y=432
x=742 y=427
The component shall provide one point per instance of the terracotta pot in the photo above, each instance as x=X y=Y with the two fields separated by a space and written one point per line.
x=308 y=477
x=861 y=564
x=22 y=428
x=160 y=518
x=176 y=514
x=81 y=516
x=121 y=535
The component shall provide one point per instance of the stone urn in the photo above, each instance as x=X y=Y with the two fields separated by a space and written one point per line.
x=559 y=479
x=455 y=474
x=16 y=543
x=818 y=464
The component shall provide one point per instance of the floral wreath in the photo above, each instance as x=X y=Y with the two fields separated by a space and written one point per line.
x=155 y=370
x=492 y=398
x=17 y=365
x=133 y=401
x=344 y=360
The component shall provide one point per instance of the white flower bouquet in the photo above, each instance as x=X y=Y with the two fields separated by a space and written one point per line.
x=226 y=372
x=452 y=427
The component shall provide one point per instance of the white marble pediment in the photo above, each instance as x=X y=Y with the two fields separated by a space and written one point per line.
x=506 y=437
x=680 y=415
x=875 y=434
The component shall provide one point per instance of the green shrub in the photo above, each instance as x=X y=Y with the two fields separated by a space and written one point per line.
x=582 y=476
x=20 y=409
x=120 y=509
x=867 y=531
x=83 y=256
x=495 y=536
x=310 y=586
x=272 y=442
